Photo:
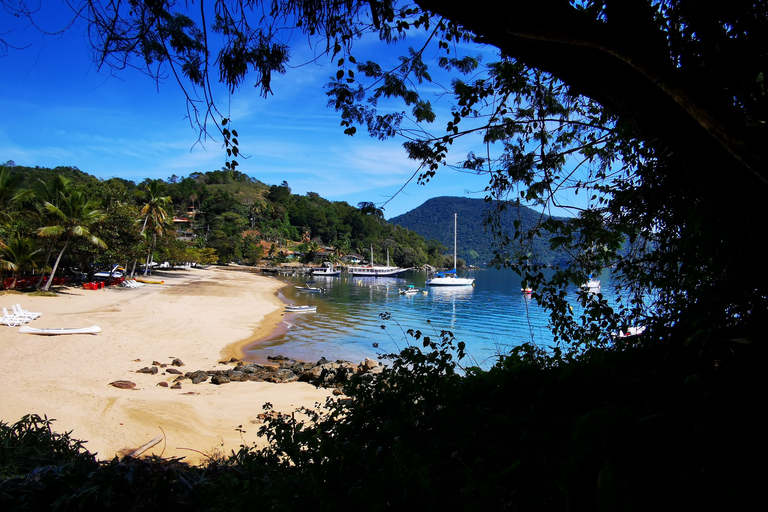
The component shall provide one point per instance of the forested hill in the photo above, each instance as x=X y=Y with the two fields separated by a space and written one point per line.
x=434 y=220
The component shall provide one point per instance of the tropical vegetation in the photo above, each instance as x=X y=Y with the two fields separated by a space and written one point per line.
x=656 y=111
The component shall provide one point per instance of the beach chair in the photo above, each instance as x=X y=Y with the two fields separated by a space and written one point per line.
x=19 y=311
x=11 y=320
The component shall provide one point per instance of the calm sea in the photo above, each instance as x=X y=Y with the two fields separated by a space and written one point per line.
x=491 y=317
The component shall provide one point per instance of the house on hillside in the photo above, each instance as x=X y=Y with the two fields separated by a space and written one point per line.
x=353 y=258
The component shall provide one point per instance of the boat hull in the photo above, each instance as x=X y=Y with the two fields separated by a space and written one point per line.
x=55 y=331
x=376 y=271
x=454 y=281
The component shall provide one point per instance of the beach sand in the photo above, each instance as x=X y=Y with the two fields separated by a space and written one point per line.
x=199 y=316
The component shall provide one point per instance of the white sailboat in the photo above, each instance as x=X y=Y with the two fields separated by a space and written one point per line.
x=376 y=270
x=449 y=278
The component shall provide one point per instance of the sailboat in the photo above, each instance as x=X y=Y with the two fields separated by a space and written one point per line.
x=376 y=270
x=449 y=278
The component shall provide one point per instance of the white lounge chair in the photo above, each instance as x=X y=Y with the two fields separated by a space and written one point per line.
x=11 y=320
x=19 y=311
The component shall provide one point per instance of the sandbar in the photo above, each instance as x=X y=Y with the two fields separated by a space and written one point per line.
x=200 y=316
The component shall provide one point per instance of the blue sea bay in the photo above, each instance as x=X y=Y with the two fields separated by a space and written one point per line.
x=491 y=317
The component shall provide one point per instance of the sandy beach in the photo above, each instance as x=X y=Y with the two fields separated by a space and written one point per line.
x=198 y=316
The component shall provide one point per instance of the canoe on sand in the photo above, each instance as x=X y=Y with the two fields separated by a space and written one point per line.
x=149 y=281
x=53 y=331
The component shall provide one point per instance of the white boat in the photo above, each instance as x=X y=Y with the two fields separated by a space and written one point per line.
x=299 y=309
x=376 y=270
x=631 y=331
x=53 y=331
x=593 y=285
x=527 y=290
x=308 y=288
x=326 y=271
x=449 y=278
x=410 y=290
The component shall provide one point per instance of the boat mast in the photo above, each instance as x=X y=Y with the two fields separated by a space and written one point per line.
x=455 y=217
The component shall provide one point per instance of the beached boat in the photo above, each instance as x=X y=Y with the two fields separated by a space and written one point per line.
x=300 y=309
x=450 y=278
x=53 y=331
x=148 y=281
x=376 y=270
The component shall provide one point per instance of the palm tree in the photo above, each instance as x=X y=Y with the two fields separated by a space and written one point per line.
x=155 y=214
x=72 y=217
x=51 y=192
x=18 y=255
x=10 y=194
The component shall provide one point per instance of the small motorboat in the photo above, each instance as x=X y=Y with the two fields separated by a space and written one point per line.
x=593 y=285
x=300 y=309
x=308 y=288
x=527 y=290
x=410 y=290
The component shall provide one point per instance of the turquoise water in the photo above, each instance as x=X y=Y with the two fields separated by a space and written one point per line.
x=490 y=318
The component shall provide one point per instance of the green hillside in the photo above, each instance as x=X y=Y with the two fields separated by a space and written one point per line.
x=476 y=245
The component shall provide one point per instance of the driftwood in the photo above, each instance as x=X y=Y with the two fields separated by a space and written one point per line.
x=135 y=453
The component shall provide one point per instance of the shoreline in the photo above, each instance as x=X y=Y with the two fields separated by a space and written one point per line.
x=199 y=316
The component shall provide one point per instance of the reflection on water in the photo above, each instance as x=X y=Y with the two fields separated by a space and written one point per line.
x=491 y=317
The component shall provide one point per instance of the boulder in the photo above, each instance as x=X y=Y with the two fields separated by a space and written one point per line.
x=123 y=384
x=177 y=362
x=219 y=379
x=173 y=371
x=152 y=370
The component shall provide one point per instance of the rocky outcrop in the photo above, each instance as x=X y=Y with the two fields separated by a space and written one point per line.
x=323 y=373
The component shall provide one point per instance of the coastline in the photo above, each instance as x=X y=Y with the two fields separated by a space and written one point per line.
x=199 y=316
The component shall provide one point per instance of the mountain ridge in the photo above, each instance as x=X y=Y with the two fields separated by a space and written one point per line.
x=433 y=219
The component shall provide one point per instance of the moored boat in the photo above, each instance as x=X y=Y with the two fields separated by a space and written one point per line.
x=327 y=271
x=300 y=309
x=450 y=278
x=376 y=270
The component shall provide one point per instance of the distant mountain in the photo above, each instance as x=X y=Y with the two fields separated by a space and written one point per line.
x=434 y=220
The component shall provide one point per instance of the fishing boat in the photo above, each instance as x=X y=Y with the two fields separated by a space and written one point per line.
x=376 y=270
x=449 y=277
x=53 y=331
x=300 y=309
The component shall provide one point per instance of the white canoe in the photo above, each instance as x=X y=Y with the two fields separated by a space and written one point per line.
x=52 y=331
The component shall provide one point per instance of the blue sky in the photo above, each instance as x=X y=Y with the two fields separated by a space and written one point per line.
x=58 y=109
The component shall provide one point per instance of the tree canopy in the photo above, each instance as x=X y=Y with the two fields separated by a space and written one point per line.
x=655 y=110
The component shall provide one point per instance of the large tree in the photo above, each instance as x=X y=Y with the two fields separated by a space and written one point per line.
x=655 y=109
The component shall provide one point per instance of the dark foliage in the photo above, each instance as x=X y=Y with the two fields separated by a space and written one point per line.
x=651 y=426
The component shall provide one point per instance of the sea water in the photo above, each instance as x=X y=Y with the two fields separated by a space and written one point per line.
x=491 y=317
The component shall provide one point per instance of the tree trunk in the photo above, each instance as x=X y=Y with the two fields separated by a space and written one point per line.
x=55 y=266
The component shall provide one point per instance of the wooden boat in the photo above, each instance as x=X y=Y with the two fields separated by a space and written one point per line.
x=299 y=309
x=54 y=331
